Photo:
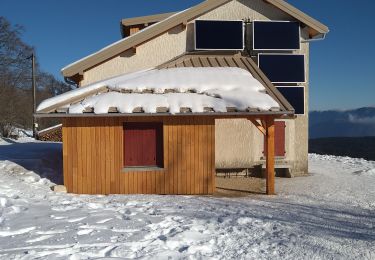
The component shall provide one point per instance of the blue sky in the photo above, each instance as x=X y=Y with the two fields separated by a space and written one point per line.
x=342 y=67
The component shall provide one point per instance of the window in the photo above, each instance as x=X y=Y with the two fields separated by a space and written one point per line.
x=279 y=139
x=143 y=145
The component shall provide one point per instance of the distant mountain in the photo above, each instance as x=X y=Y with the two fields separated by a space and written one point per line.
x=351 y=123
x=355 y=147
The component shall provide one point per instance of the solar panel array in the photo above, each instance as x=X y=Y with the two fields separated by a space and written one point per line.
x=271 y=37
x=285 y=67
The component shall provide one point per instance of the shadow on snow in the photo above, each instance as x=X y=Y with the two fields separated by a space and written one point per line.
x=45 y=159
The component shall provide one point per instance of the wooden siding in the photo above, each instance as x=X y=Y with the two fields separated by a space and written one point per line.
x=93 y=157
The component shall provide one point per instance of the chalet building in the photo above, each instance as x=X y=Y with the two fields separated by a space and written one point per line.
x=220 y=86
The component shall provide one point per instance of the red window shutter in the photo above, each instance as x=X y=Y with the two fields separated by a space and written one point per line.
x=143 y=144
x=279 y=139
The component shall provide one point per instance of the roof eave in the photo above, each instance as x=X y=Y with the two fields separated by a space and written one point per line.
x=146 y=19
x=215 y=114
x=299 y=15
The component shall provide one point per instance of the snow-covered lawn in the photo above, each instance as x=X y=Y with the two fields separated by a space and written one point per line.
x=328 y=215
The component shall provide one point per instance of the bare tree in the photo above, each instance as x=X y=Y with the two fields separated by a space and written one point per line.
x=15 y=80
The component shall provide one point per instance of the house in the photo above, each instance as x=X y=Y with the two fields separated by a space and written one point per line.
x=156 y=113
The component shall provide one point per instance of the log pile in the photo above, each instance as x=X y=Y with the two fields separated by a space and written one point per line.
x=53 y=134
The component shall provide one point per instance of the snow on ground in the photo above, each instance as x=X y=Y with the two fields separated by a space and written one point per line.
x=328 y=215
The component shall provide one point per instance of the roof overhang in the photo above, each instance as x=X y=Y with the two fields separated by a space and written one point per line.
x=278 y=114
x=315 y=27
x=144 y=21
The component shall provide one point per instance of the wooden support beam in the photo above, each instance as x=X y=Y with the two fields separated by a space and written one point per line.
x=184 y=110
x=162 y=110
x=270 y=156
x=138 y=110
x=112 y=110
x=263 y=122
x=274 y=109
x=88 y=110
x=232 y=109
x=258 y=125
x=62 y=110
x=171 y=90
x=147 y=91
x=124 y=91
x=253 y=109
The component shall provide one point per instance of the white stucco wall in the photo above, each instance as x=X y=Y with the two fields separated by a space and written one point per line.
x=238 y=142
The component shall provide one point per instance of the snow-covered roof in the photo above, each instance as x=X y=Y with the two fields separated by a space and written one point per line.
x=174 y=89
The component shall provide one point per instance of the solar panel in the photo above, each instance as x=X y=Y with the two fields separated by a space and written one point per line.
x=219 y=35
x=283 y=68
x=295 y=96
x=276 y=35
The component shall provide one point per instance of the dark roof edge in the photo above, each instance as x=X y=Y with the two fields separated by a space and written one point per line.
x=146 y=19
x=222 y=114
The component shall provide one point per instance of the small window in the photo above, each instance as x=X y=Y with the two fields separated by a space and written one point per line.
x=279 y=139
x=143 y=145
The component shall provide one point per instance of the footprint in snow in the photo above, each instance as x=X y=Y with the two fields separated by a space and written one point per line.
x=95 y=205
x=76 y=219
x=5 y=203
x=103 y=221
x=38 y=239
x=7 y=233
x=17 y=209
x=84 y=232
x=58 y=217
x=63 y=208
x=51 y=232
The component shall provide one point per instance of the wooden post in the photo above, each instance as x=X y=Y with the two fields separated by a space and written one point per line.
x=33 y=89
x=270 y=156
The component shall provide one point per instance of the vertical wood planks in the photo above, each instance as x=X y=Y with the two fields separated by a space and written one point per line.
x=174 y=149
x=187 y=156
x=164 y=175
x=66 y=144
x=97 y=163
x=80 y=173
x=213 y=156
x=196 y=158
x=205 y=161
x=201 y=157
x=93 y=153
x=179 y=157
x=89 y=173
x=101 y=142
x=170 y=169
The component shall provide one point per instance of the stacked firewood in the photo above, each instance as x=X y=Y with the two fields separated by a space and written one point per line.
x=52 y=135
